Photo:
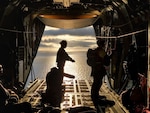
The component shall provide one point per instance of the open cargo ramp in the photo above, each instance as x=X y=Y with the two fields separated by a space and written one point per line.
x=77 y=93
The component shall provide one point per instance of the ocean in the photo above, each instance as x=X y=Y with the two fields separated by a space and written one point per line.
x=44 y=62
x=78 y=42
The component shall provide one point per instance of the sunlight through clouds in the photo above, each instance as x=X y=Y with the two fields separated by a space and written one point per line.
x=50 y=28
x=78 y=39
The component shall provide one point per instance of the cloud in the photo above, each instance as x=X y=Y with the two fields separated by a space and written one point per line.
x=82 y=41
x=50 y=28
x=75 y=32
x=46 y=53
x=78 y=39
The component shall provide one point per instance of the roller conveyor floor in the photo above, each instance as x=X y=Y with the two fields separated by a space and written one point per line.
x=77 y=93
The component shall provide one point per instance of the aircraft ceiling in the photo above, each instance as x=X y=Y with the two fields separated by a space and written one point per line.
x=70 y=14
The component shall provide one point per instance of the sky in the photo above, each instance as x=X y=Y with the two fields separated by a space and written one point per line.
x=78 y=39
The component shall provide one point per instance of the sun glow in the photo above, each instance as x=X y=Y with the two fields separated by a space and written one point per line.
x=77 y=42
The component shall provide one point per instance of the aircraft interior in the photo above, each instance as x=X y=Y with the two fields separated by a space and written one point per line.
x=123 y=24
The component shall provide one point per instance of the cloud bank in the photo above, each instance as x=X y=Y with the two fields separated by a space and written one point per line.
x=75 y=32
x=78 y=39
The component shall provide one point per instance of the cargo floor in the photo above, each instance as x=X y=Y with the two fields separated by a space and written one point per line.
x=77 y=93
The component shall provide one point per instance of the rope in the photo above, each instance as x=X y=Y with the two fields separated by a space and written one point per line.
x=15 y=31
x=128 y=34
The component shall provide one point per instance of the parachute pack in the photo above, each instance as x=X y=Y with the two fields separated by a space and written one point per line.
x=91 y=57
x=97 y=57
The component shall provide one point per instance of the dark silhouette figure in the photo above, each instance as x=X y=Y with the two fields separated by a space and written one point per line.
x=9 y=100
x=134 y=99
x=100 y=64
x=62 y=57
x=1 y=74
x=132 y=63
x=54 y=88
x=10 y=105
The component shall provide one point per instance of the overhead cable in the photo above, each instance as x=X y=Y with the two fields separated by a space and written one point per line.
x=124 y=35
x=15 y=31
